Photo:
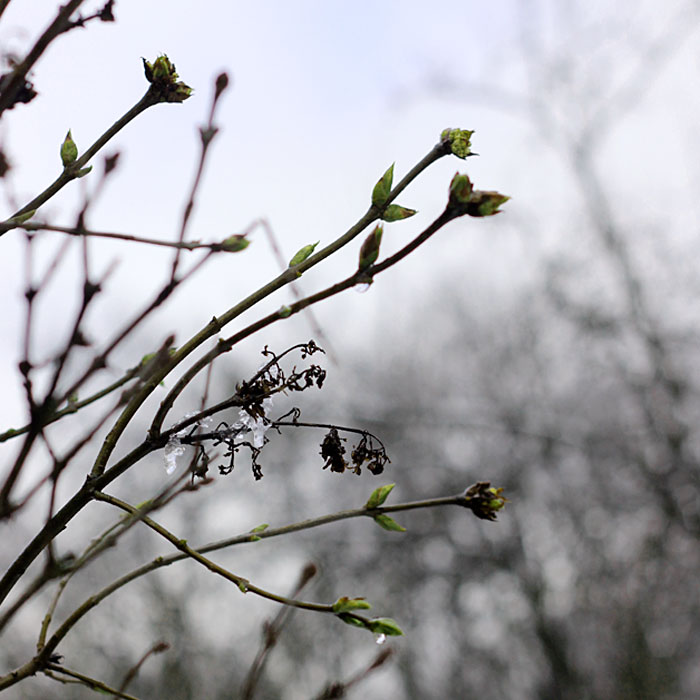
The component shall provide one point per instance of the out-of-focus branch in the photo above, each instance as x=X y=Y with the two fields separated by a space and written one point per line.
x=226 y=345
x=271 y=632
x=14 y=83
x=217 y=323
x=82 y=679
x=157 y=648
x=75 y=406
x=473 y=499
x=207 y=135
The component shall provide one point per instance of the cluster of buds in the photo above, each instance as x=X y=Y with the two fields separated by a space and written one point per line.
x=459 y=142
x=464 y=199
x=164 y=80
x=484 y=500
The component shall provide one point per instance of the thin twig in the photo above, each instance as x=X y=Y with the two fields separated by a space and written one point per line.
x=74 y=407
x=89 y=233
x=271 y=632
x=316 y=329
x=157 y=648
x=100 y=478
x=91 y=683
x=59 y=25
x=35 y=664
x=243 y=584
x=207 y=135
x=71 y=173
x=226 y=345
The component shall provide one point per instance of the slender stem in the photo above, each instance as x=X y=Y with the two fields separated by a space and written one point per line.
x=71 y=173
x=226 y=345
x=186 y=552
x=82 y=232
x=244 y=585
x=59 y=25
x=73 y=407
x=271 y=632
x=207 y=135
x=217 y=323
x=98 y=478
x=91 y=683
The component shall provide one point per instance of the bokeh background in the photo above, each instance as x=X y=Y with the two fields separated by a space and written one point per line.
x=551 y=349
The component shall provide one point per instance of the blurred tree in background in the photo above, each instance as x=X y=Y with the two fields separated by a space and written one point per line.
x=569 y=376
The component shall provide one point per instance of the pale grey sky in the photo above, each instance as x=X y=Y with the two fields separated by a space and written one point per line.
x=324 y=97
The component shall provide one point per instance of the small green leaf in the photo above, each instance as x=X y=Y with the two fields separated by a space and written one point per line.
x=69 y=151
x=254 y=538
x=379 y=495
x=385 y=625
x=302 y=254
x=260 y=528
x=346 y=604
x=388 y=523
x=83 y=171
x=394 y=212
x=382 y=189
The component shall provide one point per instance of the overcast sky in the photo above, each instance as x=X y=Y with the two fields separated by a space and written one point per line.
x=324 y=97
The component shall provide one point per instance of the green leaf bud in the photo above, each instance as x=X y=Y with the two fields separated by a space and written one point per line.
x=378 y=496
x=21 y=218
x=261 y=528
x=385 y=625
x=486 y=203
x=69 y=151
x=235 y=243
x=284 y=311
x=388 y=523
x=83 y=171
x=164 y=80
x=460 y=189
x=464 y=199
x=394 y=212
x=459 y=140
x=302 y=254
x=369 y=252
x=346 y=604
x=382 y=189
